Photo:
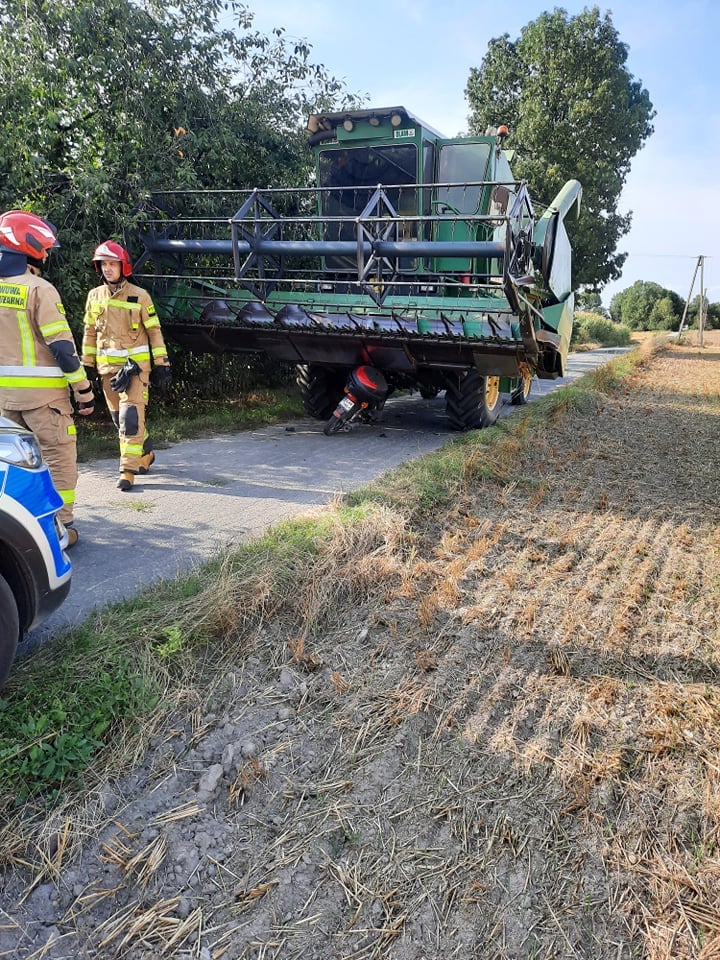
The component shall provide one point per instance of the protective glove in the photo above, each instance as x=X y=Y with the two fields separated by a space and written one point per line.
x=161 y=378
x=92 y=374
x=121 y=381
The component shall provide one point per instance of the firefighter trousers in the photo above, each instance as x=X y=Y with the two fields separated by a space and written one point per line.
x=54 y=430
x=127 y=410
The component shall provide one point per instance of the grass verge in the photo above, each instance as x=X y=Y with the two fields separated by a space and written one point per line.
x=515 y=738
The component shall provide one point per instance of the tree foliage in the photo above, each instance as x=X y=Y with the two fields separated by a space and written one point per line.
x=102 y=101
x=647 y=306
x=574 y=111
x=712 y=314
x=589 y=301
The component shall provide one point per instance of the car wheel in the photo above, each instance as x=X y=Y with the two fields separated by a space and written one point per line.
x=9 y=629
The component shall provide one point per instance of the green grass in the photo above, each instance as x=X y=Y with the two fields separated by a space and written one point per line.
x=60 y=718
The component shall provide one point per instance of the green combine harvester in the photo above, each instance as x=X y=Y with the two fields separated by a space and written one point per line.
x=413 y=261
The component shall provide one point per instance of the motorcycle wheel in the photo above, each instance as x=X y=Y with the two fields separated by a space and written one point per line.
x=333 y=425
x=339 y=421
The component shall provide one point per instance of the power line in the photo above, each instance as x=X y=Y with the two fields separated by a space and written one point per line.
x=668 y=256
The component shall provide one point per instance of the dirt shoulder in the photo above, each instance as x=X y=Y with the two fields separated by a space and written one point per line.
x=511 y=751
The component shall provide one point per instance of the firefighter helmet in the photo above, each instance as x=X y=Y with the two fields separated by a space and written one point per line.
x=27 y=234
x=109 y=250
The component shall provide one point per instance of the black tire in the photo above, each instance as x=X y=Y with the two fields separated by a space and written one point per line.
x=320 y=389
x=332 y=426
x=472 y=401
x=336 y=423
x=9 y=629
x=519 y=395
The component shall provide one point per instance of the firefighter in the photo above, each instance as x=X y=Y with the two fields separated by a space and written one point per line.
x=38 y=358
x=122 y=343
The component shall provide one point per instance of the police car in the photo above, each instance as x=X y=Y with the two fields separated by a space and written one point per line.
x=34 y=568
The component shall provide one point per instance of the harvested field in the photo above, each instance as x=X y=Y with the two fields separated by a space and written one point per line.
x=511 y=750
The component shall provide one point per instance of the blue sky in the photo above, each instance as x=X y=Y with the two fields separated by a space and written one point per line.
x=418 y=54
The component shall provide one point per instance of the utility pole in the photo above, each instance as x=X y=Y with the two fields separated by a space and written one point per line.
x=698 y=266
x=701 y=311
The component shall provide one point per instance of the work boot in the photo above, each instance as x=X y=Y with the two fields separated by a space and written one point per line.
x=126 y=481
x=146 y=461
x=72 y=537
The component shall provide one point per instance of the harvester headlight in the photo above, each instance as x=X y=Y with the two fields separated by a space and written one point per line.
x=396 y=120
x=348 y=125
x=374 y=122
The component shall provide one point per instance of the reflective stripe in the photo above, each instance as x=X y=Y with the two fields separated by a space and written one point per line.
x=132 y=449
x=27 y=341
x=30 y=371
x=159 y=352
x=39 y=383
x=90 y=351
x=152 y=323
x=122 y=304
x=72 y=430
x=120 y=356
x=33 y=377
x=68 y=496
x=75 y=377
x=57 y=326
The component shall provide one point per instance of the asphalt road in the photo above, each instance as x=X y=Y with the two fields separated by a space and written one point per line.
x=204 y=495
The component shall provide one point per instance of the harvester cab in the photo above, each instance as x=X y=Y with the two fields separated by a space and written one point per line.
x=412 y=254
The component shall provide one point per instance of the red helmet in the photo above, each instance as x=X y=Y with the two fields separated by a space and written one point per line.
x=26 y=233
x=113 y=251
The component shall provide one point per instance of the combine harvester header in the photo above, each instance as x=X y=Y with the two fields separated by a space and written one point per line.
x=419 y=256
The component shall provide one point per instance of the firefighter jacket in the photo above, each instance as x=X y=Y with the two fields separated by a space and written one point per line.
x=38 y=359
x=121 y=324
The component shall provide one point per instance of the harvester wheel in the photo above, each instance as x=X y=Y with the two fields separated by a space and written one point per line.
x=472 y=401
x=320 y=388
x=520 y=394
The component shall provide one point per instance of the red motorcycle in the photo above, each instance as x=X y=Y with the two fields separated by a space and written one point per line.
x=365 y=394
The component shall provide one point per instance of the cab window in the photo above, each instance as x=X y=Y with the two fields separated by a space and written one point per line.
x=462 y=164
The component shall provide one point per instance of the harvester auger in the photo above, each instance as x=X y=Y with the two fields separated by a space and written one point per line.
x=412 y=254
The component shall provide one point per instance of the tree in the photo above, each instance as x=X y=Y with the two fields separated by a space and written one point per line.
x=647 y=306
x=102 y=101
x=712 y=313
x=663 y=315
x=712 y=318
x=574 y=111
x=589 y=301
